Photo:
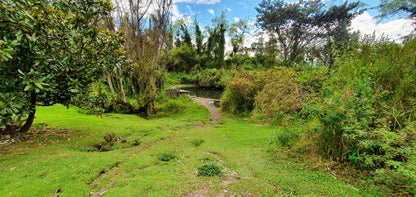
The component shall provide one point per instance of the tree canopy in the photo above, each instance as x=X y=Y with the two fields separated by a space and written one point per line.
x=50 y=51
x=393 y=7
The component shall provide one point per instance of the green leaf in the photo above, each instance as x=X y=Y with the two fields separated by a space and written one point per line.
x=27 y=88
x=39 y=85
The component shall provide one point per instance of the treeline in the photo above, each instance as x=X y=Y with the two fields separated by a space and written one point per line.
x=291 y=34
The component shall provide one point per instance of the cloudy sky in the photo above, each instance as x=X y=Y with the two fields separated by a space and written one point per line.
x=205 y=10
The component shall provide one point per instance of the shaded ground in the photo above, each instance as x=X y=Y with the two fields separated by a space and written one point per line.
x=209 y=104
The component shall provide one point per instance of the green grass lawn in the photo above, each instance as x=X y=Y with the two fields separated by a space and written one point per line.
x=64 y=159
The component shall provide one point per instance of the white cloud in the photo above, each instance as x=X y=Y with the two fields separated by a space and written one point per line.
x=236 y=19
x=190 y=11
x=366 y=24
x=245 y=6
x=211 y=11
x=210 y=2
x=176 y=15
x=228 y=9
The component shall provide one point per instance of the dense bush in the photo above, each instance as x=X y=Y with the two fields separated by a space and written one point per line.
x=288 y=136
x=368 y=114
x=265 y=94
x=181 y=59
x=172 y=78
x=240 y=92
x=211 y=78
x=282 y=95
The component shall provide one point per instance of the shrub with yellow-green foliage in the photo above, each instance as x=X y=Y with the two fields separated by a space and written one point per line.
x=267 y=95
x=240 y=92
x=282 y=95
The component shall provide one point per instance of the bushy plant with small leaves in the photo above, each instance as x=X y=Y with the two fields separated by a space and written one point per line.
x=367 y=119
x=209 y=170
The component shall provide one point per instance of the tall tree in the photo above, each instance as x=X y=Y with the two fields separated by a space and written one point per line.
x=334 y=32
x=237 y=32
x=215 y=48
x=293 y=23
x=147 y=40
x=199 y=38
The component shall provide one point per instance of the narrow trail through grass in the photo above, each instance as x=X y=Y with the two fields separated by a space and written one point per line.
x=66 y=163
x=209 y=104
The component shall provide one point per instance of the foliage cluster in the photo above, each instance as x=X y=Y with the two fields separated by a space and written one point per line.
x=368 y=113
x=240 y=92
x=209 y=170
x=267 y=95
x=208 y=78
x=211 y=78
x=166 y=156
x=49 y=55
x=282 y=95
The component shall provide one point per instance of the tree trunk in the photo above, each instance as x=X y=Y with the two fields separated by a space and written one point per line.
x=133 y=89
x=122 y=89
x=110 y=83
x=31 y=116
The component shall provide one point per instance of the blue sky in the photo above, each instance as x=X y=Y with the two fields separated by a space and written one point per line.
x=205 y=10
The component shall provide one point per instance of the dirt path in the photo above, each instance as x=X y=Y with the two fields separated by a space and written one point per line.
x=209 y=104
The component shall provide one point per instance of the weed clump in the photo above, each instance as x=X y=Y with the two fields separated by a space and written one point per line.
x=136 y=142
x=209 y=170
x=110 y=137
x=197 y=142
x=289 y=136
x=166 y=156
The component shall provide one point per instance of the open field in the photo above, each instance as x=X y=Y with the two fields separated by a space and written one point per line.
x=61 y=158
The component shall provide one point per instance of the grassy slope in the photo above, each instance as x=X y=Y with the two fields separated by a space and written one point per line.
x=42 y=166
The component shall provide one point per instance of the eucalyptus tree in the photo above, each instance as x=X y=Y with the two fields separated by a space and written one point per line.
x=306 y=30
x=199 y=38
x=335 y=31
x=294 y=24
